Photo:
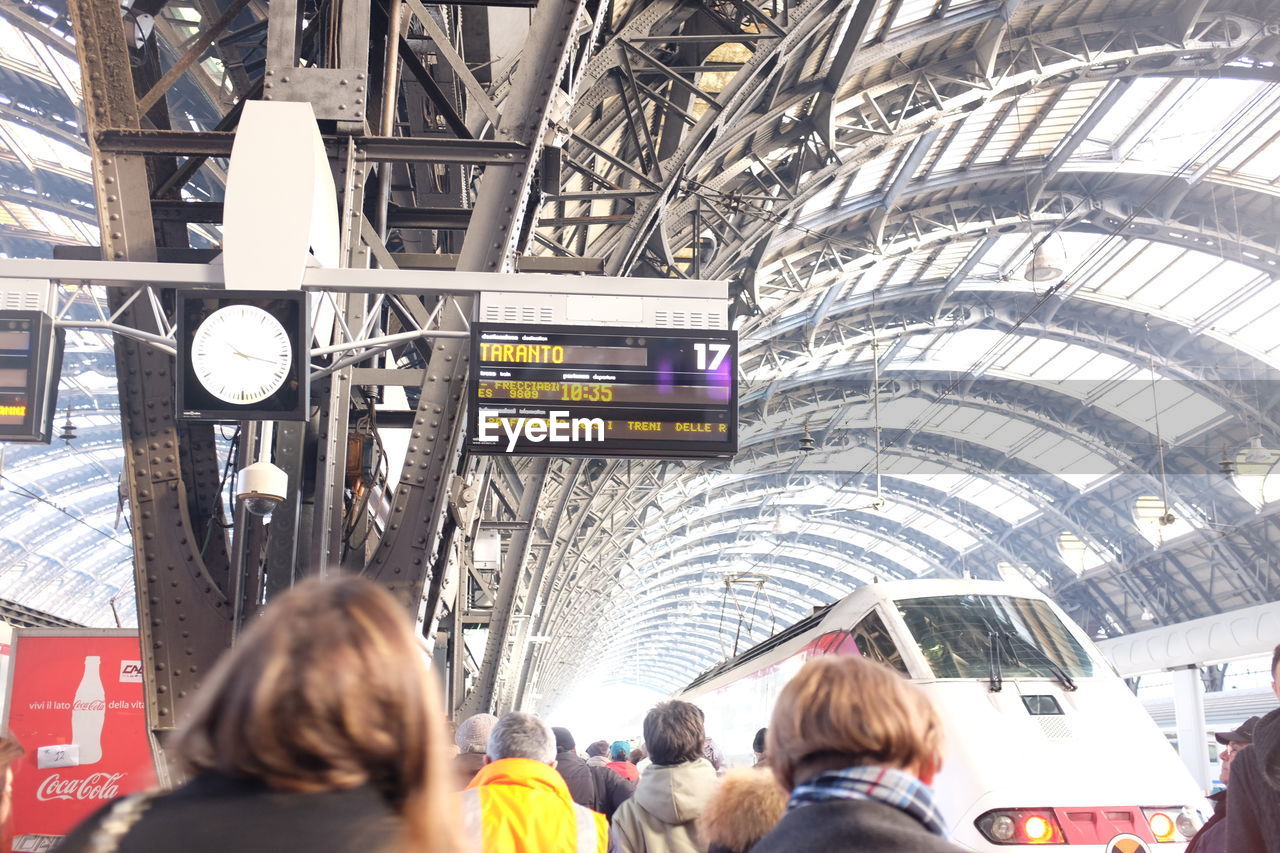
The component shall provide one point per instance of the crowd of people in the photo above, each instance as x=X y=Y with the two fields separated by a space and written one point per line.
x=340 y=746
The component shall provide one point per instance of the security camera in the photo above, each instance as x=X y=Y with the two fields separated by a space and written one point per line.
x=263 y=487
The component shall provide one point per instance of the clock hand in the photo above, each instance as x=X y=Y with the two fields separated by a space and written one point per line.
x=246 y=355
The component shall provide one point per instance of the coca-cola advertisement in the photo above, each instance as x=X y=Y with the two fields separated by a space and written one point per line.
x=75 y=702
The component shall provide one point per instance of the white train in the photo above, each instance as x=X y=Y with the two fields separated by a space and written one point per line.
x=1045 y=744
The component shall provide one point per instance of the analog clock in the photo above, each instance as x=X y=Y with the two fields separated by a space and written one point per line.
x=241 y=354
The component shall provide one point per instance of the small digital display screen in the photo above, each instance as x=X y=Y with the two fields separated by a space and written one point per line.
x=29 y=367
x=600 y=391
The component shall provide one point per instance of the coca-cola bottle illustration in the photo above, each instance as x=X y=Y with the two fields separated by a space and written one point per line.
x=88 y=711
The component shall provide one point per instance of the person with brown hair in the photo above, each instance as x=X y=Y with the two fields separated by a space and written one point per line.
x=320 y=731
x=857 y=746
x=661 y=816
x=745 y=805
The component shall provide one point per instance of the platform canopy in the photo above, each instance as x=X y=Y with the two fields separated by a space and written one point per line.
x=1004 y=273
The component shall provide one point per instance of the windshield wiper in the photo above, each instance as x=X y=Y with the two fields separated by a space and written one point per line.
x=995 y=682
x=1058 y=672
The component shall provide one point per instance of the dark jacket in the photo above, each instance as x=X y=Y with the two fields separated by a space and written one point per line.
x=851 y=826
x=1253 y=815
x=1212 y=837
x=597 y=788
x=467 y=765
x=215 y=814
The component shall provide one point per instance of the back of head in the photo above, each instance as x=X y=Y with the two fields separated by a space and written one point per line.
x=619 y=750
x=328 y=690
x=637 y=755
x=10 y=751
x=600 y=747
x=521 y=735
x=757 y=744
x=746 y=804
x=845 y=710
x=472 y=735
x=673 y=732
x=564 y=739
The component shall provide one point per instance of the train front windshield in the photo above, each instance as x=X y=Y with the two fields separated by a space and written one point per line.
x=960 y=636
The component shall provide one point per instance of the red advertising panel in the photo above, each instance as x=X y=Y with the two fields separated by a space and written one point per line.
x=75 y=703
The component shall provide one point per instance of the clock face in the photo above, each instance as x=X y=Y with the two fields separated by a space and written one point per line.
x=241 y=354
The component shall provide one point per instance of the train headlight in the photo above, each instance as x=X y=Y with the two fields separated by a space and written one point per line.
x=1038 y=829
x=1188 y=823
x=1162 y=827
x=1168 y=825
x=1021 y=826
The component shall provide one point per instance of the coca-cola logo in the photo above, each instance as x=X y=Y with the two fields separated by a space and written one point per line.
x=89 y=705
x=98 y=786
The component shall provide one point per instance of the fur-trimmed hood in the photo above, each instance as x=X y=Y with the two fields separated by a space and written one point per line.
x=745 y=806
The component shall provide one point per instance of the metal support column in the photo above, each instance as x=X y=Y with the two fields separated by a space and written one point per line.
x=1188 y=705
x=495 y=651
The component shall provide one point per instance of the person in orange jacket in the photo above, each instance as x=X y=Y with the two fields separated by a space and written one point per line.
x=518 y=803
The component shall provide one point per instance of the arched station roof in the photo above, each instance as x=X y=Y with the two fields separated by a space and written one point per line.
x=874 y=177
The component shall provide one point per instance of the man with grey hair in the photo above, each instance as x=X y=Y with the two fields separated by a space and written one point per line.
x=519 y=802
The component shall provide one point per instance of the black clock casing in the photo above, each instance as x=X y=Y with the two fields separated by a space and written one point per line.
x=290 y=402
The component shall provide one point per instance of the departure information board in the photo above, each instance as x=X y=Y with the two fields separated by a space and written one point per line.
x=601 y=391
x=30 y=361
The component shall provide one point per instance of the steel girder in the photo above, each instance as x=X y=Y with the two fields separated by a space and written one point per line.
x=918 y=96
x=183 y=611
x=1073 y=60
x=1130 y=334
x=760 y=491
x=190 y=601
